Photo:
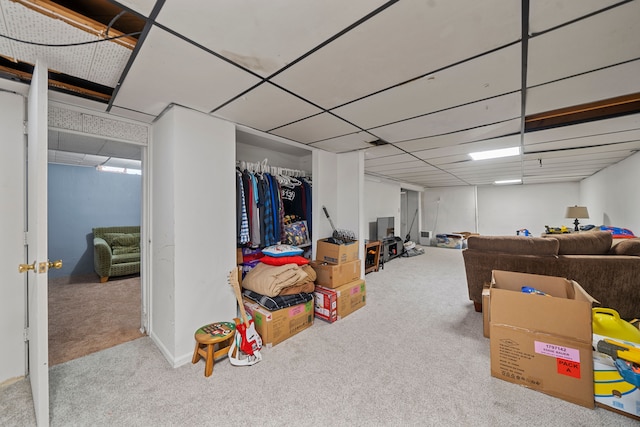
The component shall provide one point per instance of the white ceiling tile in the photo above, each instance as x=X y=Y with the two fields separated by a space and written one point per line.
x=101 y=62
x=381 y=151
x=143 y=7
x=343 y=144
x=595 y=86
x=69 y=99
x=316 y=128
x=617 y=152
x=599 y=127
x=28 y=25
x=465 y=149
x=461 y=137
x=390 y=160
x=169 y=70
x=398 y=167
x=130 y=114
x=481 y=113
x=266 y=107
x=605 y=39
x=108 y=62
x=546 y=14
x=262 y=36
x=493 y=74
x=420 y=37
x=586 y=141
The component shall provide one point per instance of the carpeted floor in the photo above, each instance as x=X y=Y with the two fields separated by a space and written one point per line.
x=413 y=356
x=86 y=316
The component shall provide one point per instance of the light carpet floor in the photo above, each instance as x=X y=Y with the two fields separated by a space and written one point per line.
x=413 y=356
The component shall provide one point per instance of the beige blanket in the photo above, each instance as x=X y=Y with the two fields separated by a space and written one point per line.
x=269 y=280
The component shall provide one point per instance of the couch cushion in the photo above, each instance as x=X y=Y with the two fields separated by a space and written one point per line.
x=122 y=243
x=626 y=247
x=109 y=237
x=124 y=258
x=589 y=243
x=517 y=245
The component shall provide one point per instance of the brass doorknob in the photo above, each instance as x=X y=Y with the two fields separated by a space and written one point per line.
x=26 y=267
x=56 y=264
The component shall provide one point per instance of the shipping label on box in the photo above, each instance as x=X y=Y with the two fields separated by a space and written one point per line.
x=336 y=254
x=350 y=297
x=542 y=342
x=334 y=275
x=276 y=326
x=326 y=304
x=616 y=382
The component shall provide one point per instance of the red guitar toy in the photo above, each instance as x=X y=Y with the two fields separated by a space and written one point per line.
x=247 y=340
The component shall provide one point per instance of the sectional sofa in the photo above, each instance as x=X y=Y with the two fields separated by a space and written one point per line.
x=609 y=273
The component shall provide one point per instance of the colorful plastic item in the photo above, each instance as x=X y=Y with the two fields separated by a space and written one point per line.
x=607 y=322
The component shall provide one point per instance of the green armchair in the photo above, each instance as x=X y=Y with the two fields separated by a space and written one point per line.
x=116 y=251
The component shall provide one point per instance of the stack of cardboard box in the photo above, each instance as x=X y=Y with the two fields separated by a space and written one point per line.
x=276 y=326
x=339 y=289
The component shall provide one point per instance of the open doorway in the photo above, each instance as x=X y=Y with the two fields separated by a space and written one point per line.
x=409 y=215
x=92 y=182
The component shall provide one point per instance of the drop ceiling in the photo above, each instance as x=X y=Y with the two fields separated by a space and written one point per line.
x=417 y=85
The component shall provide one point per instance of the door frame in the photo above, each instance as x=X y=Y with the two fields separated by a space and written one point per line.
x=126 y=131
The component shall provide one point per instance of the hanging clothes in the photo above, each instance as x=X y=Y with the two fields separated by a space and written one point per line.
x=263 y=201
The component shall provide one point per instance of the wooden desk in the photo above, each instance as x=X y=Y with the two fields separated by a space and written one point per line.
x=371 y=256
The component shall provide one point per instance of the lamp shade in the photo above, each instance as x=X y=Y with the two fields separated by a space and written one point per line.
x=577 y=212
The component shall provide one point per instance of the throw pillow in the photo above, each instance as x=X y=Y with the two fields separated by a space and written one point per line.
x=109 y=237
x=126 y=240
x=626 y=247
x=282 y=260
x=282 y=250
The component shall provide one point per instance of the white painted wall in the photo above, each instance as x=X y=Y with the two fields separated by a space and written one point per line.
x=350 y=189
x=612 y=195
x=381 y=199
x=325 y=184
x=499 y=210
x=504 y=209
x=12 y=253
x=193 y=234
x=253 y=154
x=449 y=209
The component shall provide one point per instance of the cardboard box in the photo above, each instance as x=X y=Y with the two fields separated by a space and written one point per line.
x=336 y=254
x=452 y=241
x=326 y=304
x=276 y=326
x=542 y=342
x=350 y=297
x=611 y=389
x=334 y=275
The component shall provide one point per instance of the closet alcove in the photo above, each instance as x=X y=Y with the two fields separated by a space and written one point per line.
x=290 y=159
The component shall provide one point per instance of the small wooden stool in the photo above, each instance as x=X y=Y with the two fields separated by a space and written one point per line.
x=221 y=333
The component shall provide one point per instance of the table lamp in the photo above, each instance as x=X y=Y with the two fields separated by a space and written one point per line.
x=577 y=212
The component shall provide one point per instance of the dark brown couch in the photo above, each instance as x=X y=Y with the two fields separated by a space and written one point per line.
x=610 y=274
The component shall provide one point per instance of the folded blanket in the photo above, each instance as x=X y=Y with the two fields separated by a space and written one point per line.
x=269 y=280
x=310 y=272
x=279 y=302
x=306 y=287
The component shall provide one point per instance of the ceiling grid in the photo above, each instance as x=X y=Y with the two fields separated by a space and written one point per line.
x=416 y=85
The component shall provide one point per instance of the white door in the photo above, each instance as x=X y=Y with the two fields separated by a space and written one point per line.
x=37 y=261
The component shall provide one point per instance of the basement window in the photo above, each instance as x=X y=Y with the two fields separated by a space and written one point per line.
x=128 y=171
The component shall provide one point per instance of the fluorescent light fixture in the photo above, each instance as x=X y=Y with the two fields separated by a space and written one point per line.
x=494 y=154
x=127 y=171
x=508 y=181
